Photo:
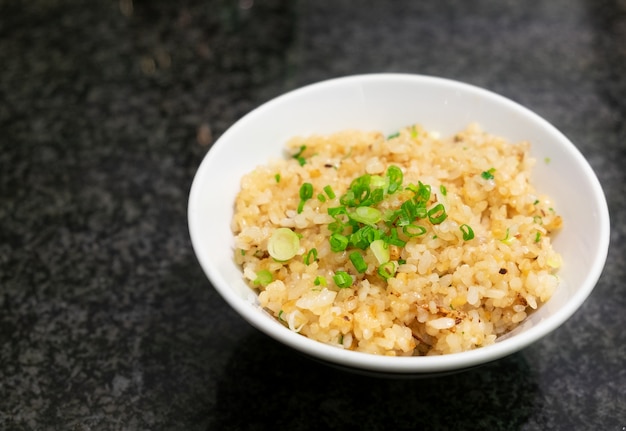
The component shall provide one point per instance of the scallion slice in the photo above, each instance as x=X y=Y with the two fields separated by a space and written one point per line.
x=412 y=230
x=263 y=278
x=395 y=176
x=320 y=281
x=488 y=174
x=329 y=192
x=437 y=214
x=380 y=249
x=283 y=244
x=306 y=193
x=338 y=242
x=357 y=260
x=310 y=257
x=468 y=232
x=342 y=279
x=387 y=270
x=298 y=156
x=366 y=215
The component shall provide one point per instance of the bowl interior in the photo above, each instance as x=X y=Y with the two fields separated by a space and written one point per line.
x=387 y=102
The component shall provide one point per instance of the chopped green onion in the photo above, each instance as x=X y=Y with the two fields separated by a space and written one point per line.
x=536 y=202
x=336 y=227
x=298 y=156
x=263 y=277
x=243 y=252
x=443 y=190
x=538 y=237
x=507 y=238
x=277 y=178
x=329 y=192
x=335 y=211
x=393 y=135
x=283 y=244
x=319 y=281
x=376 y=196
x=394 y=240
x=378 y=182
x=395 y=176
x=366 y=215
x=423 y=193
x=280 y=315
x=437 y=214
x=488 y=174
x=358 y=193
x=380 y=249
x=412 y=230
x=342 y=279
x=358 y=262
x=338 y=242
x=387 y=270
x=321 y=197
x=364 y=236
x=306 y=193
x=403 y=217
x=468 y=232
x=310 y=257
x=413 y=131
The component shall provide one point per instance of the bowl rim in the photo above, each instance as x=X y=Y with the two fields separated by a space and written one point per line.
x=413 y=364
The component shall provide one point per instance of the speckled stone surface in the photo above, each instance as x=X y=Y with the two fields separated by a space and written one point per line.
x=106 y=110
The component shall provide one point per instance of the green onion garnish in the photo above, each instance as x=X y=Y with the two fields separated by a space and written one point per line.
x=342 y=279
x=306 y=193
x=395 y=176
x=329 y=192
x=387 y=270
x=338 y=242
x=310 y=257
x=366 y=215
x=437 y=214
x=393 y=135
x=443 y=190
x=488 y=174
x=394 y=240
x=277 y=178
x=538 y=237
x=507 y=238
x=380 y=249
x=298 y=156
x=283 y=244
x=320 y=281
x=412 y=230
x=358 y=262
x=468 y=232
x=263 y=278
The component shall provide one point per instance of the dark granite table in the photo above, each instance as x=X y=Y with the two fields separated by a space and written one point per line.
x=107 y=108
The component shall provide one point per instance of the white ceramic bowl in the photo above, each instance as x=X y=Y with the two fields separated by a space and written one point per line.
x=388 y=102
